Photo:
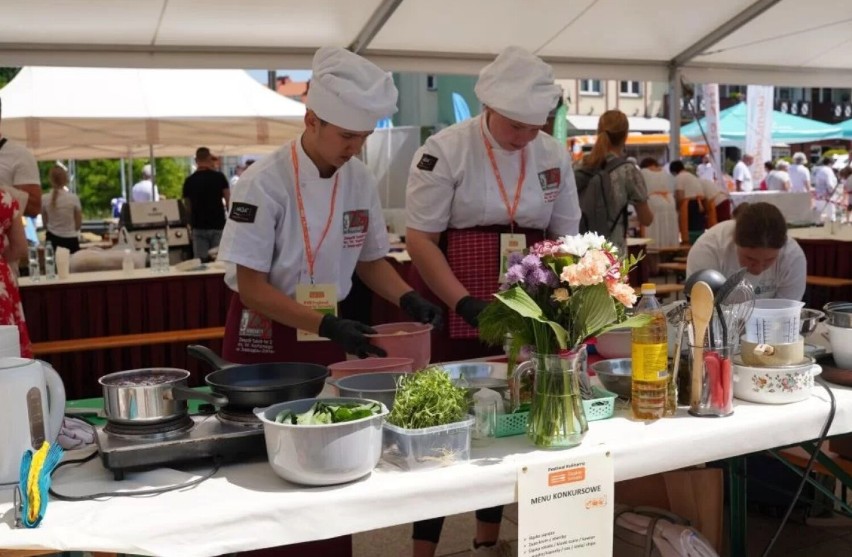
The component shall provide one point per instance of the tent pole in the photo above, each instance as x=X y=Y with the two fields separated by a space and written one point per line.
x=153 y=172
x=123 y=180
x=674 y=113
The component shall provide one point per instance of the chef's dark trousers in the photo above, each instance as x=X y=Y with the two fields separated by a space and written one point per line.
x=430 y=530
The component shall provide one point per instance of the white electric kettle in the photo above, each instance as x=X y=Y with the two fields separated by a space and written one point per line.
x=32 y=406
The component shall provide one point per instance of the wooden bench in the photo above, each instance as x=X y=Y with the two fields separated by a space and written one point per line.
x=827 y=282
x=663 y=289
x=672 y=267
x=123 y=341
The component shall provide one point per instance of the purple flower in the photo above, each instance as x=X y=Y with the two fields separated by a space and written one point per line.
x=515 y=258
x=514 y=275
x=531 y=263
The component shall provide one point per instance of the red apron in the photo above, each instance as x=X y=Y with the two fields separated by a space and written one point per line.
x=251 y=338
x=473 y=256
x=723 y=211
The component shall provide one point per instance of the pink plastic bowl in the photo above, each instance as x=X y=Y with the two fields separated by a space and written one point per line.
x=369 y=365
x=405 y=340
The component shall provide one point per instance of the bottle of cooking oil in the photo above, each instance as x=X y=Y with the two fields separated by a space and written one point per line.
x=649 y=351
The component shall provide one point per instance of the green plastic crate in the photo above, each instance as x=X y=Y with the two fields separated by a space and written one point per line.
x=599 y=408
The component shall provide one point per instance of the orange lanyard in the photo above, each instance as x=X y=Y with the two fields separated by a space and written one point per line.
x=510 y=209
x=310 y=253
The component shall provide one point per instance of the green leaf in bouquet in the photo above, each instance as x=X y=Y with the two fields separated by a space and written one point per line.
x=594 y=309
x=629 y=323
x=521 y=302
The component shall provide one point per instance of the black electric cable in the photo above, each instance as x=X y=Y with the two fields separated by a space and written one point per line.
x=138 y=493
x=823 y=434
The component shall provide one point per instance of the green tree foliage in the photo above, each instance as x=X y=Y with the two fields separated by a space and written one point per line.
x=98 y=181
x=6 y=75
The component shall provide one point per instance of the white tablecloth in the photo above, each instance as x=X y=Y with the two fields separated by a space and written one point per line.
x=796 y=207
x=246 y=506
x=843 y=233
x=117 y=276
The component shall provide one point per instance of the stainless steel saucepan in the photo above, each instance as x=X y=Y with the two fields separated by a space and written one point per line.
x=151 y=395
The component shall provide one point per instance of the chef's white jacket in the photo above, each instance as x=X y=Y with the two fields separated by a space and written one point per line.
x=452 y=184
x=264 y=231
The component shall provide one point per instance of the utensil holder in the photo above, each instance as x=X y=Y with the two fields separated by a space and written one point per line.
x=717 y=380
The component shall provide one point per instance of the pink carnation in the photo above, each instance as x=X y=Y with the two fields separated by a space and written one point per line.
x=624 y=293
x=545 y=248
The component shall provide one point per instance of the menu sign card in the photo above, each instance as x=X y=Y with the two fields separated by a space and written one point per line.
x=565 y=506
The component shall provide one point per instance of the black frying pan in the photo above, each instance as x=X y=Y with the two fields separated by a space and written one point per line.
x=258 y=385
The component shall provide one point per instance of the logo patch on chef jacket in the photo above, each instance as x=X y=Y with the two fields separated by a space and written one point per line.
x=355 y=226
x=549 y=181
x=427 y=162
x=243 y=212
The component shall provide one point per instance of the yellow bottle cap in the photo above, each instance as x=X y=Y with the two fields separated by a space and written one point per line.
x=649 y=288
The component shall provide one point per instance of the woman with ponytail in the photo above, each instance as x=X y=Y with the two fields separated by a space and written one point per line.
x=61 y=212
x=627 y=186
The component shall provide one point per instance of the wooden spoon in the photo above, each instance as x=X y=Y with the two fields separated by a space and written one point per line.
x=701 y=303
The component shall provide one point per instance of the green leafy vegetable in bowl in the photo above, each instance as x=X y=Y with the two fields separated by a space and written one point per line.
x=428 y=398
x=323 y=413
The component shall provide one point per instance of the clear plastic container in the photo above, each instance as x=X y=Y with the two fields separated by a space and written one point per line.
x=649 y=355
x=774 y=321
x=430 y=447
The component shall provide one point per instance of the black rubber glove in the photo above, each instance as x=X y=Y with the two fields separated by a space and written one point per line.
x=350 y=335
x=469 y=309
x=420 y=309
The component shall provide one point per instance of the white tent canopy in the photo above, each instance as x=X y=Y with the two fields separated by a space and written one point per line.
x=109 y=113
x=589 y=124
x=781 y=42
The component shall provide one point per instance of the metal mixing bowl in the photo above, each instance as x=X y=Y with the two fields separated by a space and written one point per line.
x=477 y=375
x=839 y=314
x=809 y=319
x=615 y=375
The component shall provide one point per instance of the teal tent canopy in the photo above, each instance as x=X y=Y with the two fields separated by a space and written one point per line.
x=786 y=128
x=846 y=129
x=461 y=110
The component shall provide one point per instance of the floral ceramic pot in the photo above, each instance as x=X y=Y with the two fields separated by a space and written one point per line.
x=776 y=384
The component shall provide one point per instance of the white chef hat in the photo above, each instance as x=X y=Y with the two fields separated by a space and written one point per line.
x=147 y=171
x=519 y=86
x=349 y=91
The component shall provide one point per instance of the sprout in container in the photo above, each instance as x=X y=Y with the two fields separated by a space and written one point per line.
x=429 y=424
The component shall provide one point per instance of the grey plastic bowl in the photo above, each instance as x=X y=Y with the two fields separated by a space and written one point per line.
x=615 y=375
x=380 y=386
x=325 y=454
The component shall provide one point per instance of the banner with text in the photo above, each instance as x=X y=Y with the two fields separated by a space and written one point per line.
x=565 y=506
x=759 y=128
x=713 y=131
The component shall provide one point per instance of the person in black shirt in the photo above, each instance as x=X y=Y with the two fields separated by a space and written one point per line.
x=206 y=197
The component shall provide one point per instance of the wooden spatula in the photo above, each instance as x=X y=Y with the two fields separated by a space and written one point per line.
x=701 y=303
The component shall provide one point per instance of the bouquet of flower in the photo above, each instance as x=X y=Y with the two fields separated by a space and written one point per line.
x=554 y=298
x=561 y=293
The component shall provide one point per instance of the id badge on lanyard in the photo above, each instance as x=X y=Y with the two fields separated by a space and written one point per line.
x=509 y=244
x=318 y=297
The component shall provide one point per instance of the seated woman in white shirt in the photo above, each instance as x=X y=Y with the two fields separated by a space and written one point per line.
x=756 y=239
x=61 y=212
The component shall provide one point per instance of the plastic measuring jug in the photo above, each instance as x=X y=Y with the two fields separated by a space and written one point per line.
x=774 y=321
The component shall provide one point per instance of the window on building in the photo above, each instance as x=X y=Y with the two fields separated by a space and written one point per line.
x=784 y=93
x=590 y=87
x=630 y=88
x=431 y=83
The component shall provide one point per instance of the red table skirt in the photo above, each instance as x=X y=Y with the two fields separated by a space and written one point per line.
x=74 y=311
x=828 y=258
